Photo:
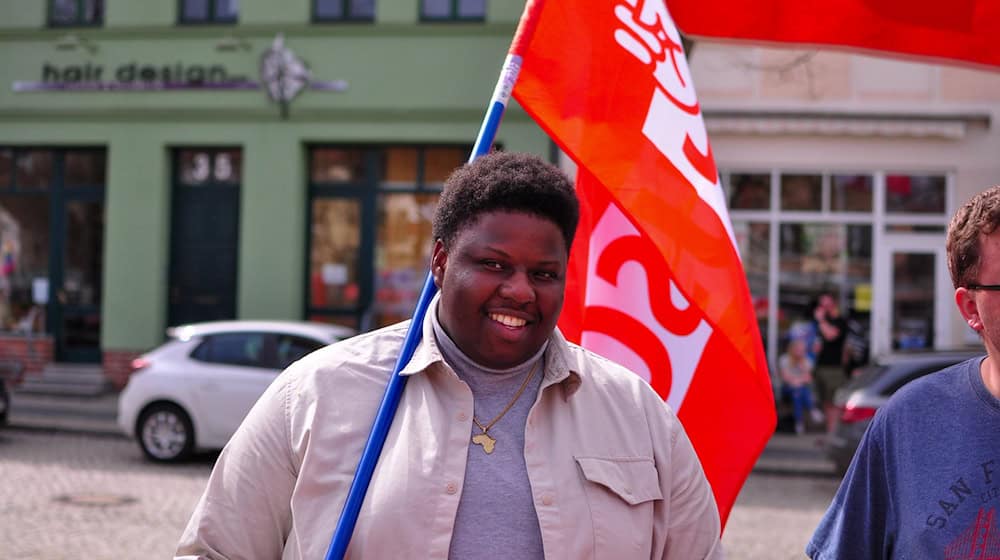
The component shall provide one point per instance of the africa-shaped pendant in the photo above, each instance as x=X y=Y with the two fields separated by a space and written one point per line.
x=484 y=440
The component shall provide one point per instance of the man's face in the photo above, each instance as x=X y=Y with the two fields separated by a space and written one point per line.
x=829 y=305
x=981 y=308
x=502 y=283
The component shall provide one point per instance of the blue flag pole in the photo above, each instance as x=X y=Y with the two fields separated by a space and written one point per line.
x=394 y=389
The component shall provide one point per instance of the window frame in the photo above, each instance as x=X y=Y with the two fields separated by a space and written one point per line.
x=79 y=19
x=453 y=14
x=347 y=17
x=366 y=188
x=211 y=19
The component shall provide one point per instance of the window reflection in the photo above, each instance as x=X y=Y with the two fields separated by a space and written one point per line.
x=753 y=239
x=750 y=191
x=334 y=165
x=24 y=262
x=440 y=162
x=917 y=194
x=824 y=258
x=336 y=242
x=913 y=288
x=84 y=168
x=801 y=192
x=402 y=255
x=851 y=193
x=34 y=170
x=6 y=167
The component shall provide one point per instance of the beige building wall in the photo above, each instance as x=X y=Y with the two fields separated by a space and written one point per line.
x=811 y=109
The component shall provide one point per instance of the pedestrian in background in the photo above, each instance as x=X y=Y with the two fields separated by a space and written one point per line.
x=795 y=369
x=509 y=442
x=832 y=329
x=923 y=482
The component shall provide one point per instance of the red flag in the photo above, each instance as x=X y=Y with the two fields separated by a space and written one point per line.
x=656 y=281
x=959 y=30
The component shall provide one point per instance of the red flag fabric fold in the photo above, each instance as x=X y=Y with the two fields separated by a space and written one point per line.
x=961 y=30
x=655 y=279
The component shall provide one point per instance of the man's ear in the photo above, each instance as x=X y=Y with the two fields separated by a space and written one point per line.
x=967 y=306
x=439 y=261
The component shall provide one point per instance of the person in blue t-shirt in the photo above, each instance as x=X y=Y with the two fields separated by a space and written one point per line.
x=925 y=481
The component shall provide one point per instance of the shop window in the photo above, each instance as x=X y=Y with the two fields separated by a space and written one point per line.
x=370 y=229
x=402 y=252
x=75 y=13
x=334 y=260
x=801 y=192
x=84 y=168
x=823 y=258
x=24 y=261
x=750 y=191
x=208 y=11
x=440 y=162
x=6 y=167
x=851 y=193
x=33 y=170
x=336 y=165
x=754 y=242
x=453 y=10
x=915 y=194
x=343 y=10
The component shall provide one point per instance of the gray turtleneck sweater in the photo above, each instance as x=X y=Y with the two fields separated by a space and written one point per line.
x=496 y=513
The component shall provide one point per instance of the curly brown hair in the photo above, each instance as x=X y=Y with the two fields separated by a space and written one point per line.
x=979 y=216
x=506 y=181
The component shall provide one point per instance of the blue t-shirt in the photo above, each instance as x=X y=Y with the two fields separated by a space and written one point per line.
x=925 y=481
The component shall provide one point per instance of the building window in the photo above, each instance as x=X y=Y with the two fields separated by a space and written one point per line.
x=803 y=232
x=343 y=10
x=208 y=11
x=750 y=191
x=801 y=192
x=370 y=229
x=915 y=194
x=76 y=13
x=453 y=10
x=51 y=245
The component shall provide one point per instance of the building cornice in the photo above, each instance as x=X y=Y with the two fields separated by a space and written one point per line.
x=950 y=126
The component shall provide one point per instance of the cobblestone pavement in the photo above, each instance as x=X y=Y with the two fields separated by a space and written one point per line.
x=60 y=494
x=775 y=516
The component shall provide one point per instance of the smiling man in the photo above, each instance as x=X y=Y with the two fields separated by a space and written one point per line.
x=509 y=442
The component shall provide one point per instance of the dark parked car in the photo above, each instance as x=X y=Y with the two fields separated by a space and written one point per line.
x=859 y=400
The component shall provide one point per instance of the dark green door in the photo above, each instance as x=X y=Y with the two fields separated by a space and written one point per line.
x=204 y=236
x=76 y=277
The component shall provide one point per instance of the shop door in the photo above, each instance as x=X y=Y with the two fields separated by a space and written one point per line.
x=204 y=236
x=76 y=276
x=913 y=303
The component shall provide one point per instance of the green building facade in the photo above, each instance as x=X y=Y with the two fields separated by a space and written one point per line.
x=150 y=177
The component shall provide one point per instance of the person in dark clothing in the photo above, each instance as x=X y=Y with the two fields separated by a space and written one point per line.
x=832 y=329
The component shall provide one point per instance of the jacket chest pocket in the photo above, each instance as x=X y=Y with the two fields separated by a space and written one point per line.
x=621 y=493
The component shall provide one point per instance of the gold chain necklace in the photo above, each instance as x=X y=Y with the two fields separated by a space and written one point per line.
x=484 y=439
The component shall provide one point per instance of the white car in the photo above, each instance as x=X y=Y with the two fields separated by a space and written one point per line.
x=193 y=391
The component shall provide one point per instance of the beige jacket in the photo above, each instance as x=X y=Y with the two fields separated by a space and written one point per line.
x=612 y=472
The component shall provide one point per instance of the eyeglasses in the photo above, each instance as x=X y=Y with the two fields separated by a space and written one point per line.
x=984 y=287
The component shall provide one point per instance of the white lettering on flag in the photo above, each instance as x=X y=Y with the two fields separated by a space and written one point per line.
x=673 y=122
x=630 y=295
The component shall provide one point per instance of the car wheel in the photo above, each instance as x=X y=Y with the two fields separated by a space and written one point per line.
x=165 y=433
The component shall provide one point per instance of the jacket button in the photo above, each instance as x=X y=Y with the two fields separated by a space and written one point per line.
x=462 y=416
x=451 y=488
x=547 y=500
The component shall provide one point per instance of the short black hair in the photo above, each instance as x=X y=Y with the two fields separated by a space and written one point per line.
x=506 y=181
